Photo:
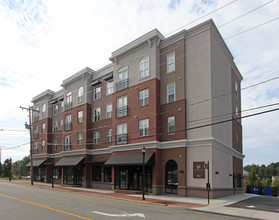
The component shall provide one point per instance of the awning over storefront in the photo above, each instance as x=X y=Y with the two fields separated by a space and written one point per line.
x=36 y=163
x=69 y=161
x=133 y=159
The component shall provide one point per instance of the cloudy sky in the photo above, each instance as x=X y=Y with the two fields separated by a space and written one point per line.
x=43 y=42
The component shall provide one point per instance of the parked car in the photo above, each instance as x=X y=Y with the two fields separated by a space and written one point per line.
x=28 y=177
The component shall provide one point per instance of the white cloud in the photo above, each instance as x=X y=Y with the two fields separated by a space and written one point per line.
x=47 y=41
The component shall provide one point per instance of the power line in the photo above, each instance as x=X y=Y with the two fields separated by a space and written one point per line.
x=21 y=145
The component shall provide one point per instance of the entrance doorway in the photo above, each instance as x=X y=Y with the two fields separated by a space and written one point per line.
x=171 y=177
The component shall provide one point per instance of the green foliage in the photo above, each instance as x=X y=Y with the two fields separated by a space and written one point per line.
x=261 y=175
x=19 y=169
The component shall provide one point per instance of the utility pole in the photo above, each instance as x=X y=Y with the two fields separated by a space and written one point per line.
x=29 y=127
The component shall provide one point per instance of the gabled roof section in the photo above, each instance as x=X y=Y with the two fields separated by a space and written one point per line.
x=72 y=78
x=46 y=92
x=154 y=34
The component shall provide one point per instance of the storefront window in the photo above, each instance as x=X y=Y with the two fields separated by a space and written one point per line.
x=107 y=174
x=96 y=173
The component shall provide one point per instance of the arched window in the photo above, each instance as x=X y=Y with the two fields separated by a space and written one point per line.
x=80 y=95
x=144 y=67
x=171 y=177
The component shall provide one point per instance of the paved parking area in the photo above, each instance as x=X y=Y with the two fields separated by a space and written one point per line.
x=260 y=203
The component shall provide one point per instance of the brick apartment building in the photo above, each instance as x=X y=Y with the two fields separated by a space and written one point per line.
x=164 y=94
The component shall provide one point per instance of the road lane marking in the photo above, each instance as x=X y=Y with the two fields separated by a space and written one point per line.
x=45 y=206
x=250 y=206
x=186 y=216
x=120 y=215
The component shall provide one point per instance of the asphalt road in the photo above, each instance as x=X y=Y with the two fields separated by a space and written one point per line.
x=31 y=203
x=260 y=203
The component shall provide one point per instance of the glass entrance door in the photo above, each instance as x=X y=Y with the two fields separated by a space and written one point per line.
x=171 y=177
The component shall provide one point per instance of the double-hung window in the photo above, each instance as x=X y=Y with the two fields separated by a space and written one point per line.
x=122 y=78
x=97 y=92
x=55 y=145
x=144 y=67
x=97 y=114
x=109 y=110
x=109 y=135
x=69 y=101
x=143 y=97
x=171 y=93
x=121 y=137
x=109 y=87
x=80 y=117
x=55 y=126
x=97 y=137
x=80 y=95
x=144 y=127
x=171 y=62
x=55 y=109
x=43 y=127
x=44 y=110
x=68 y=142
x=43 y=145
x=35 y=131
x=68 y=122
x=171 y=125
x=236 y=88
x=35 y=148
x=79 y=139
x=122 y=108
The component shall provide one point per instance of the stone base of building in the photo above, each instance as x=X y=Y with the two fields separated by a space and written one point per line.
x=213 y=193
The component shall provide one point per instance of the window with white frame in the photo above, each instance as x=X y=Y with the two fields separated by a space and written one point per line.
x=97 y=92
x=69 y=101
x=43 y=127
x=109 y=135
x=55 y=109
x=109 y=87
x=143 y=97
x=80 y=116
x=144 y=67
x=236 y=112
x=109 y=111
x=122 y=78
x=35 y=131
x=61 y=124
x=80 y=95
x=55 y=145
x=79 y=138
x=171 y=93
x=55 y=126
x=171 y=62
x=36 y=115
x=171 y=125
x=236 y=88
x=121 y=137
x=43 y=145
x=144 y=127
x=96 y=137
x=62 y=106
x=122 y=108
x=68 y=142
x=35 y=148
x=68 y=122
x=44 y=110
x=97 y=114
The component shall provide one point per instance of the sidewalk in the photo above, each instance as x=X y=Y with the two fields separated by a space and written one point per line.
x=216 y=205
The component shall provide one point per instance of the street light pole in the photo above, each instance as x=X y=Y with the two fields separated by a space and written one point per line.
x=143 y=178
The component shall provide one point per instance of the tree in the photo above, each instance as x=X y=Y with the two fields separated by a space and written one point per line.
x=252 y=177
x=266 y=182
x=275 y=183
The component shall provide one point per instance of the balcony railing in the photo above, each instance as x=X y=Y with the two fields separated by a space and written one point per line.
x=121 y=138
x=122 y=84
x=122 y=112
x=68 y=105
x=68 y=126
x=144 y=132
